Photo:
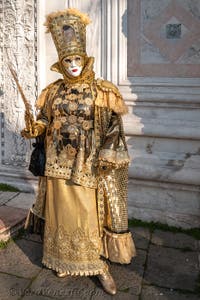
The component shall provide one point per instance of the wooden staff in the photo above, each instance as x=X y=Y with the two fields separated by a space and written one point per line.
x=28 y=115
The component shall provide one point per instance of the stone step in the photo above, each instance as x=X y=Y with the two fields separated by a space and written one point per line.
x=11 y=220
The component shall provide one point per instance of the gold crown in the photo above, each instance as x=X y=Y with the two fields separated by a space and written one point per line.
x=68 y=29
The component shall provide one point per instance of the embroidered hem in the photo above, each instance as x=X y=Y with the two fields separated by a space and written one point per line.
x=75 y=268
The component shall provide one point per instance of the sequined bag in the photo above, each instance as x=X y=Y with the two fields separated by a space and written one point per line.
x=38 y=157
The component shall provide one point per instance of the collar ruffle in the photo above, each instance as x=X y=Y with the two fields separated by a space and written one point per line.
x=87 y=75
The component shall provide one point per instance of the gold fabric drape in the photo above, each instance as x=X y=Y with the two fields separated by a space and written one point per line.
x=72 y=241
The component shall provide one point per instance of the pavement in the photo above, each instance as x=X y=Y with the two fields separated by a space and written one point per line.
x=167 y=265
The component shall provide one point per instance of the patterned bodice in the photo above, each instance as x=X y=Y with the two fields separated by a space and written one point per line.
x=70 y=137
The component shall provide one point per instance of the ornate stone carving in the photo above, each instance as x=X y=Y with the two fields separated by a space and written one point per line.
x=18 y=38
x=162 y=34
x=173 y=31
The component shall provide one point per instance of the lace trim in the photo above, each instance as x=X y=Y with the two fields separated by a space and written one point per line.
x=116 y=158
x=79 y=177
x=76 y=252
x=118 y=247
x=75 y=268
x=76 y=245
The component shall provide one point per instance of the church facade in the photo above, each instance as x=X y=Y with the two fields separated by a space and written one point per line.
x=151 y=50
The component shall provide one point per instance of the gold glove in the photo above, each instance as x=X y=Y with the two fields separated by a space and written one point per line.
x=36 y=129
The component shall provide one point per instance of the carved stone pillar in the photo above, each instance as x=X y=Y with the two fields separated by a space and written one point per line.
x=18 y=37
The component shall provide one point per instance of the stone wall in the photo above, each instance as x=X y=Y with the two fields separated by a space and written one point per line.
x=163 y=124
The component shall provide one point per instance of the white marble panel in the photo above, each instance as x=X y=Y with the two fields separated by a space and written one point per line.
x=163 y=120
x=164 y=160
x=170 y=204
x=18 y=177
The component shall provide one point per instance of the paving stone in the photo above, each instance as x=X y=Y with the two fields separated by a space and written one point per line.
x=81 y=287
x=69 y=287
x=157 y=293
x=172 y=268
x=141 y=237
x=32 y=237
x=11 y=219
x=11 y=287
x=22 y=258
x=129 y=277
x=99 y=294
x=175 y=240
x=6 y=196
x=23 y=200
x=37 y=297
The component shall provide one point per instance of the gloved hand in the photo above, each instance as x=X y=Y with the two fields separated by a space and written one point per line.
x=26 y=134
x=36 y=129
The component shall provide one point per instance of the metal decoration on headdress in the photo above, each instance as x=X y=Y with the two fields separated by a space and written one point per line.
x=68 y=29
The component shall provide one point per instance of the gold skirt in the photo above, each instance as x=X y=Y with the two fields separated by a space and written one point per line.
x=72 y=242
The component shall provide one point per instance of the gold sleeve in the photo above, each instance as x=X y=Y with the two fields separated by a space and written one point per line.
x=114 y=151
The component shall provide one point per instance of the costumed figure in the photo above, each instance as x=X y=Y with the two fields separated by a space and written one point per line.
x=82 y=197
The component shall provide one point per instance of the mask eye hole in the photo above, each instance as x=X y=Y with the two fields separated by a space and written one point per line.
x=77 y=58
x=67 y=60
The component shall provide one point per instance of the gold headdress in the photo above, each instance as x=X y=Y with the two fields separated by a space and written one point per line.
x=68 y=29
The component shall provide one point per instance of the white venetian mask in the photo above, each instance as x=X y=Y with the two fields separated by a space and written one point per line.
x=73 y=64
